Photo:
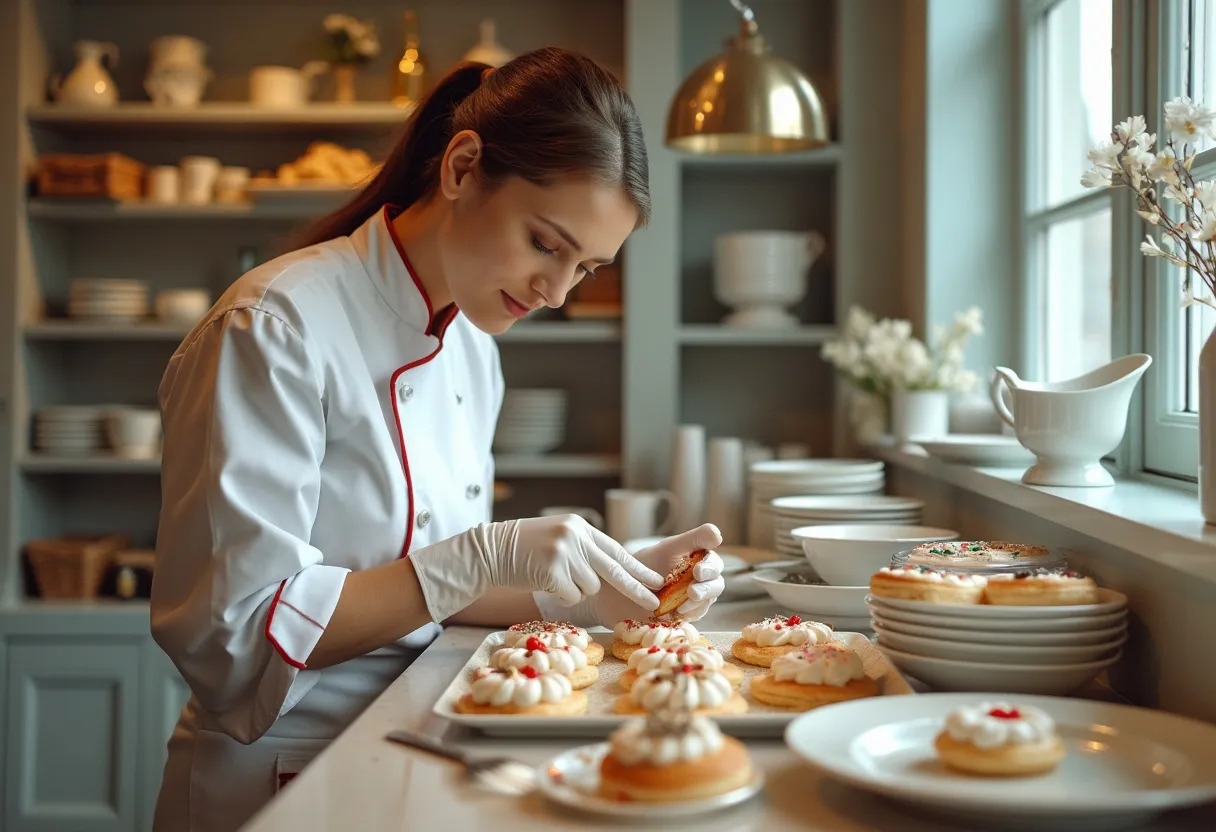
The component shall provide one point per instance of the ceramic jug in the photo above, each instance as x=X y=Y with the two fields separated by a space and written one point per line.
x=177 y=74
x=88 y=84
x=1070 y=425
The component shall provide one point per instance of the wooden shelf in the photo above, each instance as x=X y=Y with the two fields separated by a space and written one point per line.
x=105 y=211
x=827 y=156
x=39 y=463
x=720 y=335
x=219 y=116
x=562 y=332
x=71 y=330
x=557 y=465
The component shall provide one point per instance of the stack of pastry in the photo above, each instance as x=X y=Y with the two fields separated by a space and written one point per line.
x=696 y=687
x=677 y=654
x=568 y=661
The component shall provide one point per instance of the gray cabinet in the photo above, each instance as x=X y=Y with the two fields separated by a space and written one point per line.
x=164 y=694
x=72 y=735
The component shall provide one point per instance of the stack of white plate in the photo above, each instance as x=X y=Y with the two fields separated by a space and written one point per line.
x=68 y=430
x=108 y=300
x=983 y=647
x=771 y=479
x=790 y=513
x=531 y=421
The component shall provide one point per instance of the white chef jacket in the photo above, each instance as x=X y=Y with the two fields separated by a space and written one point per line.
x=319 y=420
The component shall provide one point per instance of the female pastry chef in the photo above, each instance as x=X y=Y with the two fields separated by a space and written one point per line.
x=327 y=475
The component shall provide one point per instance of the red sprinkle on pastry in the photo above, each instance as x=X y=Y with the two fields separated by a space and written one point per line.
x=535 y=644
x=687 y=668
x=654 y=649
x=794 y=620
x=529 y=671
x=1001 y=713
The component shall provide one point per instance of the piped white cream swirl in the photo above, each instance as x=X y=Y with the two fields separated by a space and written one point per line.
x=935 y=576
x=675 y=654
x=654 y=633
x=678 y=688
x=564 y=660
x=511 y=687
x=633 y=744
x=989 y=725
x=820 y=664
x=777 y=631
x=551 y=633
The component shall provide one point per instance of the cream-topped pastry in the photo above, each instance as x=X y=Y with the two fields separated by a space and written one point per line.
x=814 y=675
x=672 y=755
x=700 y=690
x=776 y=635
x=631 y=635
x=1040 y=587
x=522 y=691
x=999 y=738
x=676 y=654
x=555 y=634
x=925 y=583
x=568 y=661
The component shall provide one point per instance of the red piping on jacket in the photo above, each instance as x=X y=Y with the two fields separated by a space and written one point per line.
x=269 y=619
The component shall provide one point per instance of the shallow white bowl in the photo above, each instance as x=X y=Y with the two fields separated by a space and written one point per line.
x=955 y=675
x=849 y=553
x=847 y=601
x=1027 y=639
x=968 y=651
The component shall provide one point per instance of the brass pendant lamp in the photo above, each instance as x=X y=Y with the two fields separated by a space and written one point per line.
x=746 y=101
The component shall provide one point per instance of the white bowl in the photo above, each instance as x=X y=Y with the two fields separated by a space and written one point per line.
x=848 y=554
x=968 y=651
x=954 y=675
x=813 y=599
x=1031 y=639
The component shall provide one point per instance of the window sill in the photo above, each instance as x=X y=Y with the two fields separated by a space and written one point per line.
x=1157 y=521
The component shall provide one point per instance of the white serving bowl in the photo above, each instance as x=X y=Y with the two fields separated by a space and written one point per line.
x=815 y=600
x=968 y=651
x=954 y=675
x=848 y=554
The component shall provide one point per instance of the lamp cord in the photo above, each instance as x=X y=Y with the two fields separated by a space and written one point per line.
x=743 y=10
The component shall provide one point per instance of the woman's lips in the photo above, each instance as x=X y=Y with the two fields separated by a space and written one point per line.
x=514 y=307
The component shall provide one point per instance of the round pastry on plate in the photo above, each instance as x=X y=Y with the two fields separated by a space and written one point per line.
x=676 y=654
x=555 y=634
x=632 y=635
x=672 y=755
x=814 y=675
x=777 y=635
x=1040 y=588
x=525 y=691
x=568 y=661
x=999 y=739
x=924 y=583
x=700 y=690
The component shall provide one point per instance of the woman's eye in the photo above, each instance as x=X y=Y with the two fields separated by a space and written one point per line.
x=541 y=247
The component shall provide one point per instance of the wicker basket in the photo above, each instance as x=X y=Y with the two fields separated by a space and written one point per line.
x=109 y=175
x=73 y=567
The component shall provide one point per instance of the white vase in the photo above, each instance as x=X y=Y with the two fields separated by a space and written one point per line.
x=1207 y=429
x=88 y=84
x=868 y=416
x=688 y=476
x=919 y=414
x=726 y=493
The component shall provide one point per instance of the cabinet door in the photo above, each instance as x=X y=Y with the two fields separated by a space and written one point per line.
x=164 y=695
x=73 y=725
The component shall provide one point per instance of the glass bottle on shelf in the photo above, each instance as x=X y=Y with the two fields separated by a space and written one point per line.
x=409 y=75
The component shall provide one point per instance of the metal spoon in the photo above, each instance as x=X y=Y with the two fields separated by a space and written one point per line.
x=498 y=774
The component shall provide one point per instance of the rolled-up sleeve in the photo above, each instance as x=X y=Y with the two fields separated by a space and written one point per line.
x=240 y=597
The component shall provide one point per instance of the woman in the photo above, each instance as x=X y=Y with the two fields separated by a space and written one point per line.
x=327 y=475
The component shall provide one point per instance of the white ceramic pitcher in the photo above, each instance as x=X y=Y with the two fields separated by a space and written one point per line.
x=1070 y=425
x=88 y=84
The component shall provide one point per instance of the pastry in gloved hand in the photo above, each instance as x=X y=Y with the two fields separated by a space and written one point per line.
x=675 y=590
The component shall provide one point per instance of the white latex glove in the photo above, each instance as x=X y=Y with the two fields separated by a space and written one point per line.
x=565 y=558
x=610 y=606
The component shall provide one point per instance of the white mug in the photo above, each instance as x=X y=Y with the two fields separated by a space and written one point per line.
x=164 y=184
x=198 y=179
x=283 y=87
x=632 y=514
x=134 y=433
x=589 y=514
x=230 y=184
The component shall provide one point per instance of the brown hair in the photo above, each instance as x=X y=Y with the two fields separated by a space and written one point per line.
x=547 y=114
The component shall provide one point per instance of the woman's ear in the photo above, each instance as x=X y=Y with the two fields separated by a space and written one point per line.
x=459 y=162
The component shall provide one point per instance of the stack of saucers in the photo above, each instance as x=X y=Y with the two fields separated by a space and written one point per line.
x=1051 y=650
x=68 y=431
x=108 y=300
x=771 y=479
x=531 y=421
x=790 y=513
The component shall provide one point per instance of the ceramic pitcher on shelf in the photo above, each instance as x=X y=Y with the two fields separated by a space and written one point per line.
x=1070 y=425
x=88 y=84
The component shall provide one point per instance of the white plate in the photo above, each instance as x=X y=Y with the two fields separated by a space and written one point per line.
x=997 y=653
x=1122 y=762
x=970 y=636
x=1019 y=625
x=982 y=450
x=811 y=598
x=834 y=505
x=759 y=721
x=952 y=674
x=572 y=779
x=1108 y=601
x=780 y=468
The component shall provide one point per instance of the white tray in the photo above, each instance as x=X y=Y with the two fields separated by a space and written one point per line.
x=759 y=721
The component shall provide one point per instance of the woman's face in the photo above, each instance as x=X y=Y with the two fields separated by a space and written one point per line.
x=513 y=248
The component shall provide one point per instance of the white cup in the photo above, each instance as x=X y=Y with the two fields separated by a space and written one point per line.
x=134 y=433
x=632 y=514
x=589 y=514
x=164 y=185
x=726 y=490
x=184 y=306
x=230 y=184
x=283 y=87
x=198 y=179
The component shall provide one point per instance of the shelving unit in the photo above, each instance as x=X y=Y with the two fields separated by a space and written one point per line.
x=108 y=212
x=236 y=117
x=718 y=335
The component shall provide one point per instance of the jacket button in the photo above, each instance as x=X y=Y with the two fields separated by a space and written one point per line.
x=423 y=518
x=405 y=393
x=473 y=491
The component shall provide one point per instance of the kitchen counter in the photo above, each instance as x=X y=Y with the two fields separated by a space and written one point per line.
x=363 y=782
